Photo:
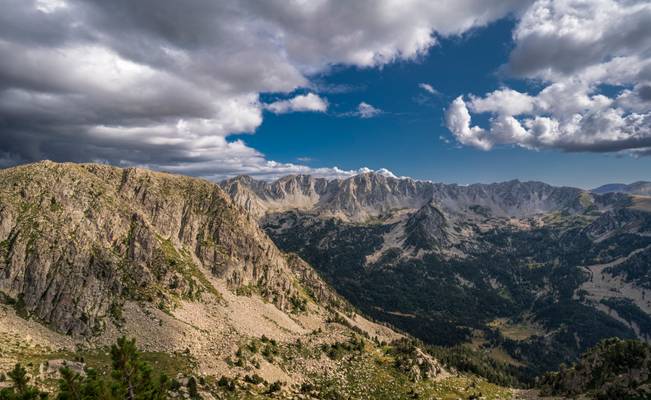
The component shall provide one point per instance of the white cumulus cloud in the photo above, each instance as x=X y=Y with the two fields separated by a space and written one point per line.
x=429 y=88
x=365 y=110
x=304 y=102
x=573 y=48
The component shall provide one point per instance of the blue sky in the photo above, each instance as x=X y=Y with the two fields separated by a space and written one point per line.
x=406 y=137
x=551 y=90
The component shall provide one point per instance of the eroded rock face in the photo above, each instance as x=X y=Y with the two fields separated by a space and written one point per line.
x=364 y=197
x=76 y=240
x=427 y=227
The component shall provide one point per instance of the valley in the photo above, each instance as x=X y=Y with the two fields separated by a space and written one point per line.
x=445 y=262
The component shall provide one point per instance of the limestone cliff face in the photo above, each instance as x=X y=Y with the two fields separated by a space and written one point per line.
x=367 y=196
x=357 y=198
x=76 y=240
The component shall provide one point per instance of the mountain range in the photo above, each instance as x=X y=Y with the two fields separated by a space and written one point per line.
x=371 y=286
x=373 y=195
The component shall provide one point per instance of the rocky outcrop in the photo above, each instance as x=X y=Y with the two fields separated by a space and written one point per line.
x=427 y=228
x=414 y=362
x=77 y=240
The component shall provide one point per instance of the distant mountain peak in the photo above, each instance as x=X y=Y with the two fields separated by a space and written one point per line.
x=640 y=188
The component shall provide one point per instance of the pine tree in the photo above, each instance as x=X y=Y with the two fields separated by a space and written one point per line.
x=19 y=376
x=131 y=378
x=126 y=369
x=73 y=386
x=192 y=389
x=70 y=385
x=21 y=390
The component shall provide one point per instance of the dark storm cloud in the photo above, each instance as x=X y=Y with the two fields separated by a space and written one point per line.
x=21 y=22
x=576 y=35
x=644 y=91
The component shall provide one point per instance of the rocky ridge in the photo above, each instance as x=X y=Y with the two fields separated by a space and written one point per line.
x=419 y=216
x=78 y=240
x=369 y=196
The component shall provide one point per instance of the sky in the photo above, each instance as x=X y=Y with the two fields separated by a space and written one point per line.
x=456 y=91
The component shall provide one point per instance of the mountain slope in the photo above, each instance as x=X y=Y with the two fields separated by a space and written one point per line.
x=76 y=239
x=94 y=252
x=356 y=199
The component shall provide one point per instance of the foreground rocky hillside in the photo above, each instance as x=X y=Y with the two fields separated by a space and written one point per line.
x=91 y=253
x=528 y=273
x=77 y=240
